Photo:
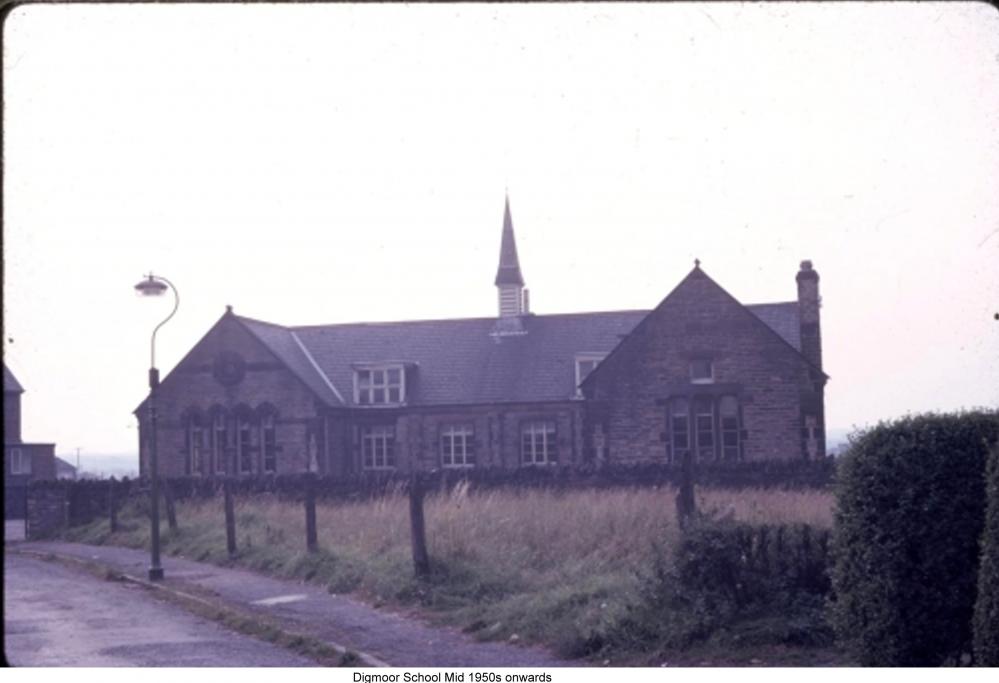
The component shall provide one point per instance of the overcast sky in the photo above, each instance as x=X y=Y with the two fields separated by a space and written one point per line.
x=316 y=164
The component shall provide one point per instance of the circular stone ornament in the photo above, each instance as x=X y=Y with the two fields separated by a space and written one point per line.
x=229 y=368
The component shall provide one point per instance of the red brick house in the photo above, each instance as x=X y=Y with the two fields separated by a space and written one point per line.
x=22 y=462
x=700 y=372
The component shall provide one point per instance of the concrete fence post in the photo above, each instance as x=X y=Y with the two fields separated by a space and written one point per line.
x=311 y=537
x=230 y=520
x=421 y=560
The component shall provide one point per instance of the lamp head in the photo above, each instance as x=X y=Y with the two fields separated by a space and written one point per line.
x=150 y=286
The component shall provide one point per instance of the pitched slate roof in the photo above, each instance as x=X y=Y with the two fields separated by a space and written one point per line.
x=462 y=361
x=283 y=343
x=782 y=318
x=10 y=383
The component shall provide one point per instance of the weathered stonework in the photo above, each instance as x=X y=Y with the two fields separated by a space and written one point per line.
x=775 y=386
x=763 y=387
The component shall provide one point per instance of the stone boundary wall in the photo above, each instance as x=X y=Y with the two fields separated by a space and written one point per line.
x=47 y=508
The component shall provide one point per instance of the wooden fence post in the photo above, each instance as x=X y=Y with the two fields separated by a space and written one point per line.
x=421 y=561
x=171 y=510
x=686 y=506
x=311 y=540
x=112 y=507
x=230 y=520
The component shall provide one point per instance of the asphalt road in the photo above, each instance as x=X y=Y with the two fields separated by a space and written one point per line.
x=54 y=616
x=391 y=638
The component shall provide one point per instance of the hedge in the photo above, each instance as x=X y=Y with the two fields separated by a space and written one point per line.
x=736 y=583
x=986 y=625
x=910 y=513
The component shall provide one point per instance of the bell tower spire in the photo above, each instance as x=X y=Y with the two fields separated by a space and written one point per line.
x=509 y=280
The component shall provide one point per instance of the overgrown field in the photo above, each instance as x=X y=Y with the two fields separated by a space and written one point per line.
x=565 y=569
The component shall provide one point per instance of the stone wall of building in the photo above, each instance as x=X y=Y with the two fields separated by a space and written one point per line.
x=496 y=428
x=194 y=385
x=699 y=321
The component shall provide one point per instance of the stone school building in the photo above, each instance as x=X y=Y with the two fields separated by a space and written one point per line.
x=699 y=373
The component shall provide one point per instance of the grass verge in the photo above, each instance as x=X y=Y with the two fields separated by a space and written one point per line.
x=560 y=569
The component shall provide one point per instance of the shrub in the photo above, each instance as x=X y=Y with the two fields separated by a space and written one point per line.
x=910 y=512
x=753 y=585
x=986 y=624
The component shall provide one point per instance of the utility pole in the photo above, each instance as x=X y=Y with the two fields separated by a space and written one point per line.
x=77 y=463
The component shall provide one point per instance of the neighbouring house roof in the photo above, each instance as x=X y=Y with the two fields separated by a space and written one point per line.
x=64 y=469
x=463 y=361
x=10 y=383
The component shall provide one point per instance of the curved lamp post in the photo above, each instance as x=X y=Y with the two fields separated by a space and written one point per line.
x=155 y=285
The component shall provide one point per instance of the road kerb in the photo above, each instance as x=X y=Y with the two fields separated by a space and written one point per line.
x=183 y=596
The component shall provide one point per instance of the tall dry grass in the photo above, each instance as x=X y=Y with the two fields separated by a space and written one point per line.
x=549 y=566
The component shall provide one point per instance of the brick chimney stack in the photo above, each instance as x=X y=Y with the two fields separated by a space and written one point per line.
x=809 y=303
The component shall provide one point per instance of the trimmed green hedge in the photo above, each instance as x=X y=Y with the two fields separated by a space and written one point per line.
x=987 y=604
x=910 y=513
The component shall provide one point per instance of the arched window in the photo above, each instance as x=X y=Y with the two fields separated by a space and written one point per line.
x=220 y=439
x=728 y=414
x=195 y=444
x=268 y=443
x=244 y=442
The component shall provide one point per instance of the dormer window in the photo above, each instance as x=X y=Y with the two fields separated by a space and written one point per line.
x=585 y=364
x=380 y=385
x=702 y=372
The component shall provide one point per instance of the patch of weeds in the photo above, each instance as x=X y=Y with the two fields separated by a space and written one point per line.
x=349 y=658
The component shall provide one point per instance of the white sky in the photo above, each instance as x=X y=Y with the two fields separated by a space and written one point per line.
x=315 y=164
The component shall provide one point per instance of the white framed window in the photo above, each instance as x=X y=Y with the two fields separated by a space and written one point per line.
x=458 y=446
x=702 y=372
x=380 y=385
x=585 y=364
x=20 y=462
x=244 y=445
x=728 y=424
x=268 y=444
x=704 y=427
x=708 y=426
x=537 y=442
x=679 y=424
x=219 y=438
x=378 y=447
x=195 y=445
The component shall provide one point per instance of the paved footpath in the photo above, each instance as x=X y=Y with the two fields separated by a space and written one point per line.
x=56 y=616
x=379 y=636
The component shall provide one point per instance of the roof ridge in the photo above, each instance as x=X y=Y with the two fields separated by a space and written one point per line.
x=793 y=302
x=260 y=322
x=459 y=320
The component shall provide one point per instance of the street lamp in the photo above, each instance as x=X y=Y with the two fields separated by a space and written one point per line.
x=155 y=285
